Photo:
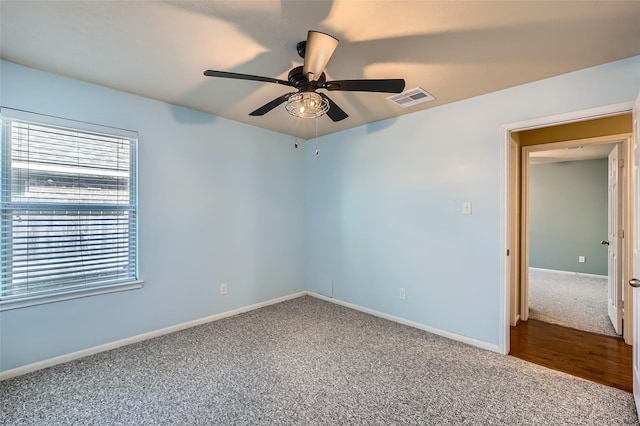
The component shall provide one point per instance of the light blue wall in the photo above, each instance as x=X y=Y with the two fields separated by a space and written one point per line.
x=568 y=216
x=384 y=202
x=219 y=202
x=378 y=209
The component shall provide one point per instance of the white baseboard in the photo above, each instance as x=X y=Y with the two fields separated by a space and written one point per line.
x=443 y=333
x=19 y=371
x=582 y=274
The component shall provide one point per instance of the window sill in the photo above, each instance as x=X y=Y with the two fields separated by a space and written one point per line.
x=76 y=294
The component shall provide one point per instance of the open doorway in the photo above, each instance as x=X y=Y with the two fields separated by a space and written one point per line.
x=572 y=192
x=574 y=156
x=589 y=355
x=515 y=137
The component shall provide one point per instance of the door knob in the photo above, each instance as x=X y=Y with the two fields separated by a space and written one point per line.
x=634 y=282
x=604 y=243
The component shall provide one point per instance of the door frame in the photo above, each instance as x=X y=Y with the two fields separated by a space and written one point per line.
x=506 y=183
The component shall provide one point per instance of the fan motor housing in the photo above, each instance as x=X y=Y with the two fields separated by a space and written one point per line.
x=300 y=82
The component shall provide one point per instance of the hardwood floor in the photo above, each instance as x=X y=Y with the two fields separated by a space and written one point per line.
x=594 y=357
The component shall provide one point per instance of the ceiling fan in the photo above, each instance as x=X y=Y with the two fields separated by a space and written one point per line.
x=306 y=102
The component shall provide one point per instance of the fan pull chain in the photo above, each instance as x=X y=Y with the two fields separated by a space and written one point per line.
x=317 y=152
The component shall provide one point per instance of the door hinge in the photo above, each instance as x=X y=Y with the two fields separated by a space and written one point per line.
x=622 y=304
x=507 y=252
x=621 y=233
x=621 y=163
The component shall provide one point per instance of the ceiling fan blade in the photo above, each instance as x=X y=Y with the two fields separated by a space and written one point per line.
x=271 y=105
x=335 y=113
x=238 y=76
x=391 y=85
x=320 y=47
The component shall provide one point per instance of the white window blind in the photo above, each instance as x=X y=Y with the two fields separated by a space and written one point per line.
x=68 y=208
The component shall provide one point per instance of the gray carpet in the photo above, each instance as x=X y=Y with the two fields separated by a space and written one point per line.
x=307 y=362
x=571 y=300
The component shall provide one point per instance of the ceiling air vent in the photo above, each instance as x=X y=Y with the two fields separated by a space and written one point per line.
x=412 y=97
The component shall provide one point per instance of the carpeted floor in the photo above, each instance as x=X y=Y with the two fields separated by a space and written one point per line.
x=307 y=362
x=572 y=300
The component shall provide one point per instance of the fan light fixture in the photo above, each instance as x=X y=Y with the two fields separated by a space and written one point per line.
x=307 y=105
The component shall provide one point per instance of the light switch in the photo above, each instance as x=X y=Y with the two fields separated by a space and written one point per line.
x=466 y=207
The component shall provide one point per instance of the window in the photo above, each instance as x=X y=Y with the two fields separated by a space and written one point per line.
x=69 y=209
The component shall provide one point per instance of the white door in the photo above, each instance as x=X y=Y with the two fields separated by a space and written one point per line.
x=614 y=303
x=635 y=282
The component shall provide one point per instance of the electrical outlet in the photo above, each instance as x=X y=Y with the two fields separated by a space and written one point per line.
x=582 y=259
x=403 y=294
x=223 y=288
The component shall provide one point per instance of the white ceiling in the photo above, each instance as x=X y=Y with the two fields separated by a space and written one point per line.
x=574 y=153
x=452 y=49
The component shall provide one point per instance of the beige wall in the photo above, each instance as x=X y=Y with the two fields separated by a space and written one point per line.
x=583 y=129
